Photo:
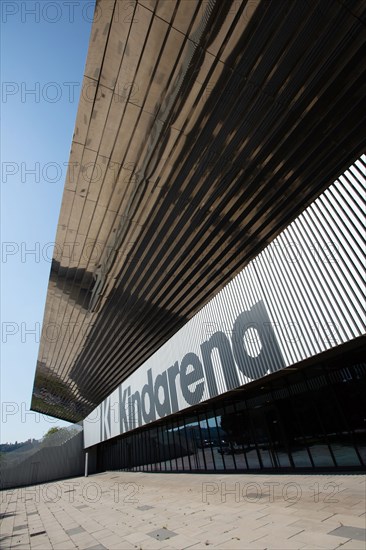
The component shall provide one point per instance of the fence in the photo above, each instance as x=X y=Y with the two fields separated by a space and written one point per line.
x=58 y=456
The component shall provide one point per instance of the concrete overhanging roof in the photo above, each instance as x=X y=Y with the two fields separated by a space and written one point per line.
x=203 y=129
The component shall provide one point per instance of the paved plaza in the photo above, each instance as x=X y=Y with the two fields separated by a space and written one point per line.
x=119 y=510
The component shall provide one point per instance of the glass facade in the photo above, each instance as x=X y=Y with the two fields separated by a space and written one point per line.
x=309 y=418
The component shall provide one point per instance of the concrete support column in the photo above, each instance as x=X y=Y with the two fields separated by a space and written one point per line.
x=86 y=463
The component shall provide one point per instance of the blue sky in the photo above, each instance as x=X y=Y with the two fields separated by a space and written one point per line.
x=41 y=51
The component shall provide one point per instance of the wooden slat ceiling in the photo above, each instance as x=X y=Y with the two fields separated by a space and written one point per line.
x=203 y=130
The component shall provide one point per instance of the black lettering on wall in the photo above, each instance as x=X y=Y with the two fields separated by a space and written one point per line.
x=135 y=410
x=270 y=357
x=220 y=342
x=163 y=409
x=173 y=372
x=124 y=409
x=189 y=378
x=146 y=407
x=148 y=390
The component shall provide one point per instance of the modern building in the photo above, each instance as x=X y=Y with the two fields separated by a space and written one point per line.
x=206 y=303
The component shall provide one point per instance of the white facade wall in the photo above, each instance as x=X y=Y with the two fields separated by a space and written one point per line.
x=304 y=294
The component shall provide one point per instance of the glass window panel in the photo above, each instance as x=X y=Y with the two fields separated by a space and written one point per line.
x=169 y=450
x=179 y=448
x=226 y=421
x=297 y=441
x=312 y=426
x=263 y=442
x=345 y=454
x=162 y=454
x=154 y=463
x=165 y=449
x=194 y=438
x=207 y=443
x=238 y=425
x=218 y=447
x=173 y=450
x=233 y=436
x=279 y=445
x=188 y=450
x=346 y=390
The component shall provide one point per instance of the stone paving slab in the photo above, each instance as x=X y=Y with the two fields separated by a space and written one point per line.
x=142 y=511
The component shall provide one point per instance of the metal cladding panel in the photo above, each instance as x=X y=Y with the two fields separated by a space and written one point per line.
x=204 y=128
x=304 y=294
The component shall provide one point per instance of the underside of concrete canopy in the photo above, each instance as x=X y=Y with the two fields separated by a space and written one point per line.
x=203 y=129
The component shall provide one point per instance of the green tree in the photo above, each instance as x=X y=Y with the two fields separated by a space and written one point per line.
x=51 y=431
x=48 y=438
